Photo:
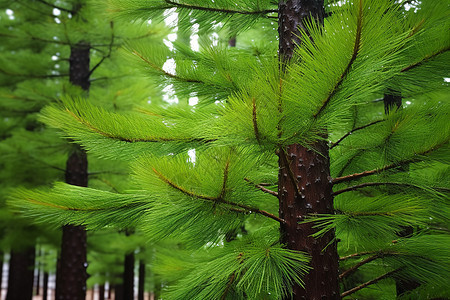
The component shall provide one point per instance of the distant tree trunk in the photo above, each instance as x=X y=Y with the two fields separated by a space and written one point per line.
x=304 y=185
x=45 y=286
x=232 y=42
x=110 y=289
x=118 y=291
x=125 y=289
x=71 y=274
x=101 y=292
x=38 y=274
x=21 y=274
x=128 y=277
x=1 y=271
x=141 y=283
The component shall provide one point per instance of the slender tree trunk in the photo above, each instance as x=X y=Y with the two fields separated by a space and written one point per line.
x=21 y=273
x=38 y=275
x=304 y=177
x=45 y=286
x=71 y=273
x=101 y=292
x=128 y=277
x=141 y=283
x=1 y=271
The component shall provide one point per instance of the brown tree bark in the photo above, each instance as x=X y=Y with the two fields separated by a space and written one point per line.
x=21 y=274
x=304 y=183
x=71 y=274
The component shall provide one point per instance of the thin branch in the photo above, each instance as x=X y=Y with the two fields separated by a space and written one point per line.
x=35 y=38
x=356 y=48
x=362 y=185
x=55 y=6
x=355 y=255
x=32 y=75
x=352 y=131
x=262 y=188
x=425 y=59
x=230 y=282
x=111 y=24
x=254 y=119
x=247 y=209
x=181 y=189
x=155 y=67
x=370 y=282
x=219 y=10
x=356 y=266
x=387 y=167
x=223 y=190
x=126 y=139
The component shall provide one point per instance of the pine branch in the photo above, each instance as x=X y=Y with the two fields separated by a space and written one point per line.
x=247 y=209
x=32 y=75
x=130 y=140
x=353 y=130
x=181 y=189
x=356 y=266
x=354 y=255
x=362 y=185
x=111 y=24
x=35 y=38
x=155 y=67
x=356 y=48
x=230 y=282
x=221 y=197
x=370 y=282
x=173 y=4
x=385 y=168
x=425 y=59
x=254 y=119
x=262 y=188
x=55 y=6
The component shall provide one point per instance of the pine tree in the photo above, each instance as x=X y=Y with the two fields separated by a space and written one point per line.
x=296 y=149
x=50 y=48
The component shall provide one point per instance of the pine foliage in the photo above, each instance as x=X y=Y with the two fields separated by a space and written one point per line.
x=390 y=171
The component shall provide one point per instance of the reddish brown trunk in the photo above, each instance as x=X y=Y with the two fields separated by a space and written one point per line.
x=311 y=195
x=71 y=273
x=304 y=177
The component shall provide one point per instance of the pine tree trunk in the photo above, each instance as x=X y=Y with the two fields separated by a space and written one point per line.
x=45 y=286
x=21 y=273
x=1 y=271
x=101 y=292
x=71 y=273
x=128 y=277
x=38 y=275
x=141 y=283
x=304 y=178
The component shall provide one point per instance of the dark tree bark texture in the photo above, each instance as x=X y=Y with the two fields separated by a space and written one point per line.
x=141 y=283
x=45 y=286
x=304 y=176
x=71 y=273
x=21 y=274
x=128 y=277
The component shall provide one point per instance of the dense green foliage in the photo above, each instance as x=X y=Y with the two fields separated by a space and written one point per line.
x=217 y=207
